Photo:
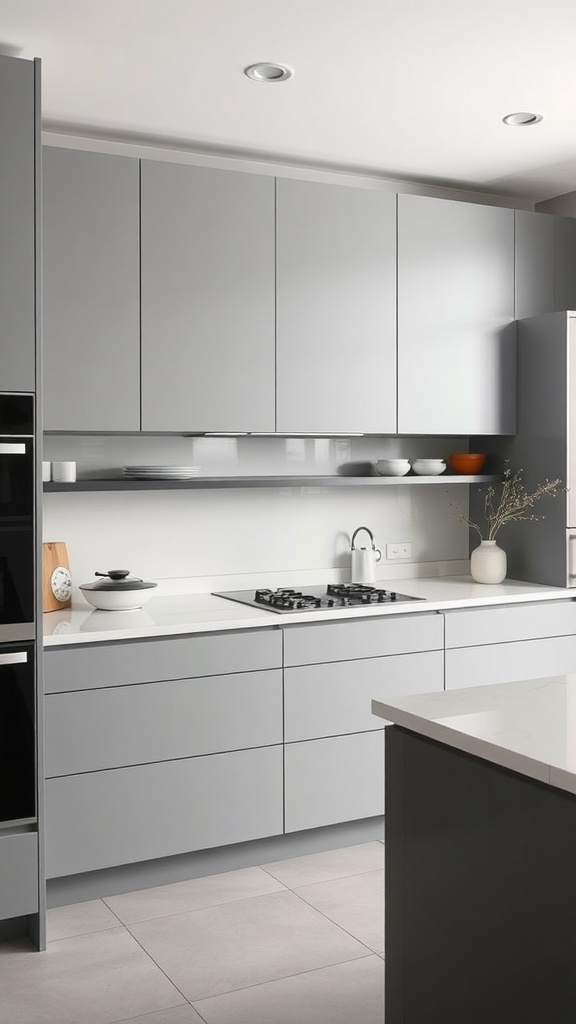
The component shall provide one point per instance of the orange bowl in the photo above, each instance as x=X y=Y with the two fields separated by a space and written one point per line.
x=467 y=462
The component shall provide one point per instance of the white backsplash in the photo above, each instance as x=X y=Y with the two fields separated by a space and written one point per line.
x=218 y=539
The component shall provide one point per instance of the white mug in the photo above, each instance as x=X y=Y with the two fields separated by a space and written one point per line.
x=64 y=472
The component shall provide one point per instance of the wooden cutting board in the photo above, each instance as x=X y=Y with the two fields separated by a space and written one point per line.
x=56 y=577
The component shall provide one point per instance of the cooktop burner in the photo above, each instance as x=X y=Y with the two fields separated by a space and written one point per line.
x=328 y=596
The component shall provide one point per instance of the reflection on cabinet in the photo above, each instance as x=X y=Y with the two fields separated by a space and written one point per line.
x=91 y=291
x=456 y=337
x=336 y=315
x=19 y=116
x=501 y=645
x=207 y=299
x=545 y=262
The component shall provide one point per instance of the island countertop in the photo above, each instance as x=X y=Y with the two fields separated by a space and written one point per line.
x=528 y=727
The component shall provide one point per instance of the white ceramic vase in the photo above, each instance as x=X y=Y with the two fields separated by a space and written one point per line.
x=488 y=563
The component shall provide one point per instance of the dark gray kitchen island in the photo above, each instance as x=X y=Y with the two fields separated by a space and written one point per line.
x=481 y=855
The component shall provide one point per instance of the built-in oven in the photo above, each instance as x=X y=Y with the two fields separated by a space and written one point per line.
x=17 y=536
x=17 y=734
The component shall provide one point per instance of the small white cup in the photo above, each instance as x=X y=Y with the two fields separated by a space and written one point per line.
x=46 y=471
x=64 y=472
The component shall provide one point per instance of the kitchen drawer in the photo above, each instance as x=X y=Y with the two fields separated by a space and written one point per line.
x=157 y=810
x=333 y=780
x=504 y=663
x=106 y=728
x=145 y=661
x=362 y=638
x=473 y=626
x=19 y=874
x=327 y=700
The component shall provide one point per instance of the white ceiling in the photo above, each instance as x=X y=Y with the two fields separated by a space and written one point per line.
x=406 y=89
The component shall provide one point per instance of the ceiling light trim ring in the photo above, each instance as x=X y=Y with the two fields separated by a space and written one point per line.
x=268 y=71
x=521 y=119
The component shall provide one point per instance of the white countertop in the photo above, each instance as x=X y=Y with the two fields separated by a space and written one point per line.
x=198 y=613
x=529 y=726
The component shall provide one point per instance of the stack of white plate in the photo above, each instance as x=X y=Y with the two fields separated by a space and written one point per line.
x=160 y=472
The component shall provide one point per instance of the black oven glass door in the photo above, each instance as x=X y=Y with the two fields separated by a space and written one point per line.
x=17 y=540
x=17 y=733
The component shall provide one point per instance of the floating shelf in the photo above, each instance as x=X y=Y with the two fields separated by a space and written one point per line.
x=204 y=482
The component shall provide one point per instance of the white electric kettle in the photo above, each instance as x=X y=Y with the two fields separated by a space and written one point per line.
x=364 y=559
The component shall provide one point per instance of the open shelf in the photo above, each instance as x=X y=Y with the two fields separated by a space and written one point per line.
x=203 y=482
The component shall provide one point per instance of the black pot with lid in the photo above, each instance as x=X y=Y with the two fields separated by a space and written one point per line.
x=117 y=579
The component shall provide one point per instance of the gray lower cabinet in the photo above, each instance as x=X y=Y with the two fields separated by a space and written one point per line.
x=19 y=132
x=207 y=277
x=499 y=645
x=336 y=308
x=18 y=874
x=106 y=818
x=91 y=291
x=456 y=336
x=334 y=753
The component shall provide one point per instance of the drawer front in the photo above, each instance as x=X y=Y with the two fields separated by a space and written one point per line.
x=95 y=729
x=158 y=810
x=362 y=638
x=327 y=700
x=333 y=780
x=19 y=874
x=474 y=626
x=82 y=668
x=506 y=663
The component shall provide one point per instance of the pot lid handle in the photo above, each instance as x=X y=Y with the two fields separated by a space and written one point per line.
x=115 y=574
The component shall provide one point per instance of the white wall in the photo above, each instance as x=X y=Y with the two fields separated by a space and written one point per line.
x=225 y=538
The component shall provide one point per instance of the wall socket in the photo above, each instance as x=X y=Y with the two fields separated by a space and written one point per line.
x=398 y=551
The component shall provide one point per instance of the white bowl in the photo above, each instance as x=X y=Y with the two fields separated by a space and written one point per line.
x=392 y=467
x=428 y=467
x=117 y=600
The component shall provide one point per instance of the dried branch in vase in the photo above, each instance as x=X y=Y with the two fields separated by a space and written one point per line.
x=513 y=504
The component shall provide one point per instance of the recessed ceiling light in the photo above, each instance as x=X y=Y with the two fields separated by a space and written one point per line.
x=267 y=71
x=522 y=118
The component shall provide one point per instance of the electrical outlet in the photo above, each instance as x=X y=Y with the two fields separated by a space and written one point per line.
x=398 y=551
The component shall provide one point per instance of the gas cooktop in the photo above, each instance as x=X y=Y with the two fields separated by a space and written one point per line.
x=328 y=597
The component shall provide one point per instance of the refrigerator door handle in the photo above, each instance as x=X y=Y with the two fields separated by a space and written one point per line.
x=12 y=448
x=14 y=658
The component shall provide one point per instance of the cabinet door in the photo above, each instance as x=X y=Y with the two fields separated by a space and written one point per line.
x=507 y=663
x=336 y=308
x=133 y=814
x=456 y=336
x=91 y=296
x=565 y=262
x=535 y=243
x=17 y=224
x=208 y=358
x=19 y=874
x=333 y=780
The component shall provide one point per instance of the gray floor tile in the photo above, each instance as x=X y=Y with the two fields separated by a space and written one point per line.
x=247 y=942
x=321 y=867
x=350 y=993
x=79 y=919
x=176 y=1015
x=356 y=903
x=180 y=897
x=88 y=979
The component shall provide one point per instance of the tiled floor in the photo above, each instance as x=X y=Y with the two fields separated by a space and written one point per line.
x=293 y=942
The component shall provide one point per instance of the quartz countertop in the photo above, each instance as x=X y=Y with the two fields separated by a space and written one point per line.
x=187 y=612
x=528 y=727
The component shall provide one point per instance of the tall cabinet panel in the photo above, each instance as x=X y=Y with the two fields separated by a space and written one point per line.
x=565 y=263
x=207 y=299
x=91 y=291
x=17 y=224
x=336 y=308
x=535 y=286
x=456 y=337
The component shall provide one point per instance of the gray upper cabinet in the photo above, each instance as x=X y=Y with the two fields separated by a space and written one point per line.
x=456 y=336
x=18 y=132
x=336 y=308
x=207 y=299
x=91 y=292
x=545 y=263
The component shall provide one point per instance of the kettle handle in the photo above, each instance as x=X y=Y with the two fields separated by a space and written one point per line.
x=370 y=534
